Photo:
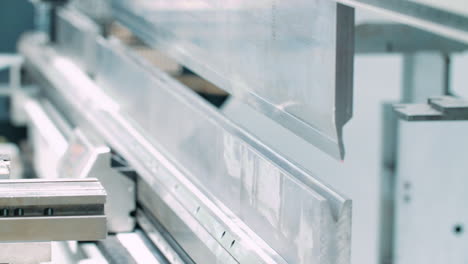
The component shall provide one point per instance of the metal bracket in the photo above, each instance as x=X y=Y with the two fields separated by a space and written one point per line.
x=87 y=157
x=442 y=108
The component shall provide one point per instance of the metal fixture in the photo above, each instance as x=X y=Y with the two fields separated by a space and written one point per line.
x=437 y=109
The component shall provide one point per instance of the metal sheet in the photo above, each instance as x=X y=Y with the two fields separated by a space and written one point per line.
x=51 y=210
x=51 y=192
x=99 y=10
x=76 y=36
x=84 y=228
x=293 y=212
x=201 y=246
x=290 y=60
x=176 y=140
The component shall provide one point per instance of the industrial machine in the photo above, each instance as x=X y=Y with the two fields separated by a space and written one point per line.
x=261 y=131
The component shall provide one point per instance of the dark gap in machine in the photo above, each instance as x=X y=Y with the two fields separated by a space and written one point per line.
x=204 y=88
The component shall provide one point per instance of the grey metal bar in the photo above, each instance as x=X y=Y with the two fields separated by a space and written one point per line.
x=292 y=62
x=52 y=210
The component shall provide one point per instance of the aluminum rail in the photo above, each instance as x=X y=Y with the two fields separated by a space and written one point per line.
x=52 y=210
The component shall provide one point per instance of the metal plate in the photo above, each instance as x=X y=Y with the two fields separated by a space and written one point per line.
x=175 y=140
x=57 y=228
x=290 y=60
x=289 y=208
x=76 y=37
x=46 y=192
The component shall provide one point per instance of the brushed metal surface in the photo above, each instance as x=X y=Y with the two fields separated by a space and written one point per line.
x=52 y=210
x=54 y=228
x=173 y=138
x=290 y=60
x=51 y=192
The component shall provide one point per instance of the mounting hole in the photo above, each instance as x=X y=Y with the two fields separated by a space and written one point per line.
x=48 y=211
x=407 y=198
x=198 y=210
x=4 y=212
x=232 y=243
x=224 y=233
x=407 y=185
x=458 y=229
x=133 y=213
x=19 y=212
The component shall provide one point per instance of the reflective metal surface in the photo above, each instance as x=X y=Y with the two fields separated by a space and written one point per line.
x=76 y=37
x=437 y=108
x=99 y=10
x=52 y=210
x=49 y=142
x=451 y=22
x=160 y=239
x=291 y=210
x=87 y=157
x=290 y=60
x=163 y=130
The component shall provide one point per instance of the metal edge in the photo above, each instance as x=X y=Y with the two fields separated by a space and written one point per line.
x=83 y=228
x=339 y=207
x=109 y=124
x=330 y=145
x=442 y=22
x=336 y=199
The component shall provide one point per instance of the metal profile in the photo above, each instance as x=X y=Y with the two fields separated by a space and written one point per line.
x=52 y=210
x=312 y=222
x=291 y=61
